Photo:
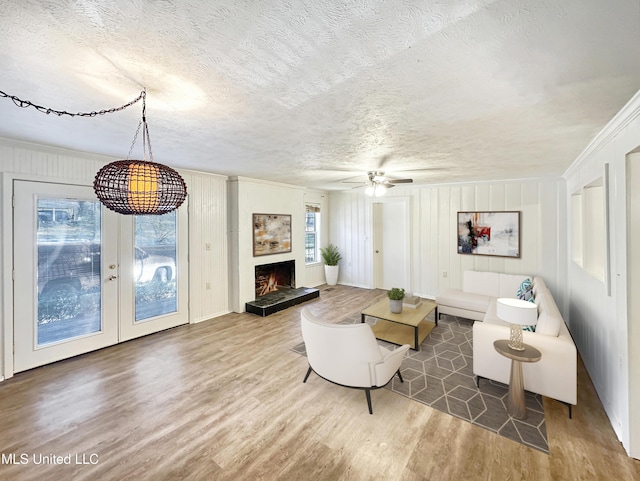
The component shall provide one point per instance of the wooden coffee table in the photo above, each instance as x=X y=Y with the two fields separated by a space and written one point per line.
x=408 y=327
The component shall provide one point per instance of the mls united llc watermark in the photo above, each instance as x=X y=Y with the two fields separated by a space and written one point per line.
x=39 y=458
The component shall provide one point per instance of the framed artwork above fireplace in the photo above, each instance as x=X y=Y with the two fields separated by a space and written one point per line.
x=271 y=234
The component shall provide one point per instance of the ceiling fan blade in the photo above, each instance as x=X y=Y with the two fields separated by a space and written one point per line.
x=383 y=160
x=386 y=185
x=400 y=181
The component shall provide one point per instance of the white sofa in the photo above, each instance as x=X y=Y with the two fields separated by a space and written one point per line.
x=555 y=375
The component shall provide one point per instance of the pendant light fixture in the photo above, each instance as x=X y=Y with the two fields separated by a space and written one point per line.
x=130 y=187
x=140 y=187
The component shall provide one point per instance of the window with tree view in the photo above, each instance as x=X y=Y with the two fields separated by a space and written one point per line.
x=312 y=233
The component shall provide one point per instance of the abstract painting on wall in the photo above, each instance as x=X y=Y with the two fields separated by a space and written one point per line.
x=271 y=234
x=489 y=233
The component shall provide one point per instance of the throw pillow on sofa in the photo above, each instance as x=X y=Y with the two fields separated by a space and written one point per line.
x=528 y=295
x=525 y=293
x=526 y=284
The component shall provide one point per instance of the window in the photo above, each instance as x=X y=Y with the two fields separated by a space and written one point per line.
x=590 y=229
x=312 y=233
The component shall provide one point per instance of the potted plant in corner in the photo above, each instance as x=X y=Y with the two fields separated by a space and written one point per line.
x=396 y=295
x=331 y=256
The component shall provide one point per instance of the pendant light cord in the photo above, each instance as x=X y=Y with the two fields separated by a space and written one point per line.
x=46 y=110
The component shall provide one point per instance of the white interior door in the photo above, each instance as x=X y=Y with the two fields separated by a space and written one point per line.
x=64 y=288
x=86 y=277
x=391 y=245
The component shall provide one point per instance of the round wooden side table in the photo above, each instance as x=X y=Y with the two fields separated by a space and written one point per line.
x=515 y=402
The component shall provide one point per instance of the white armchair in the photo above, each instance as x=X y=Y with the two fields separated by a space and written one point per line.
x=349 y=355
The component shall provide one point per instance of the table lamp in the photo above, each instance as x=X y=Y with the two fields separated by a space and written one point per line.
x=517 y=313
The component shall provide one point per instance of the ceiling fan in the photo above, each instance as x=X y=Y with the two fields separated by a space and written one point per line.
x=378 y=183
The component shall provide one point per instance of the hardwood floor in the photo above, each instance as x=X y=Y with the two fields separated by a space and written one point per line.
x=224 y=400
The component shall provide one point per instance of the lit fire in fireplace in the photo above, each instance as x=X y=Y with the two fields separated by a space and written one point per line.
x=278 y=276
x=267 y=284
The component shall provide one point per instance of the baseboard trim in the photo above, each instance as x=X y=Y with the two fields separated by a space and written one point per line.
x=361 y=286
x=209 y=317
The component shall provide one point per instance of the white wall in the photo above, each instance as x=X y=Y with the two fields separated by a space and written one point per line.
x=250 y=196
x=606 y=336
x=207 y=205
x=542 y=203
x=208 y=249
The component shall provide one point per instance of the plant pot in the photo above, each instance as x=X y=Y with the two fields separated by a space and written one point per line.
x=331 y=273
x=395 y=306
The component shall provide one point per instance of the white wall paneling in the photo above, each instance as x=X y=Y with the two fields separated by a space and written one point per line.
x=208 y=249
x=606 y=334
x=351 y=231
x=436 y=262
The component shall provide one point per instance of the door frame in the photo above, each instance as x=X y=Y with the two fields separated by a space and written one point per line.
x=628 y=304
x=405 y=201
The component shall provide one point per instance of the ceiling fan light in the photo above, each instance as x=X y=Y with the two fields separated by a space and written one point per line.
x=370 y=190
x=379 y=190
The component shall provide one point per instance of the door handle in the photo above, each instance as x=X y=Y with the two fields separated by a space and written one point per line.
x=377 y=252
x=111 y=278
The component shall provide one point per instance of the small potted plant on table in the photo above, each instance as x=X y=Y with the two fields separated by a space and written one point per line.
x=331 y=257
x=396 y=295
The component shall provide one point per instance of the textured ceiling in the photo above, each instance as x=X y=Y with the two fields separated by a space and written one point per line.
x=315 y=92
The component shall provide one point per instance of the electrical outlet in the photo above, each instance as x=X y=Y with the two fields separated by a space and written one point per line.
x=445 y=273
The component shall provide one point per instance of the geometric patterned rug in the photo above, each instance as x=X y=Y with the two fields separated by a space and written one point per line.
x=440 y=375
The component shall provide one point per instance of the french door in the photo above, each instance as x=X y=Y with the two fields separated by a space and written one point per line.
x=86 y=277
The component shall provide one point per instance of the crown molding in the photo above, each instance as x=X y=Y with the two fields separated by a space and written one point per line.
x=239 y=179
x=51 y=149
x=626 y=115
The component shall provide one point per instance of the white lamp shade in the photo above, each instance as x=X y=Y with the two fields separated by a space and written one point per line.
x=517 y=311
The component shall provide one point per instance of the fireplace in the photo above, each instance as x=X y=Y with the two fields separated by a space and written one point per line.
x=275 y=277
x=276 y=290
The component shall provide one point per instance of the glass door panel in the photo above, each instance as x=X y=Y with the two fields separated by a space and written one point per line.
x=155 y=261
x=153 y=274
x=68 y=238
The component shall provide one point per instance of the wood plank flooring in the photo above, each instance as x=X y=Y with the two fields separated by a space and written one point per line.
x=224 y=400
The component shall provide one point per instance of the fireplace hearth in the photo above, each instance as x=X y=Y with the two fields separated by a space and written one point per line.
x=275 y=289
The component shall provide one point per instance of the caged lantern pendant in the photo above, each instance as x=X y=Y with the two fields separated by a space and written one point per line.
x=140 y=187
